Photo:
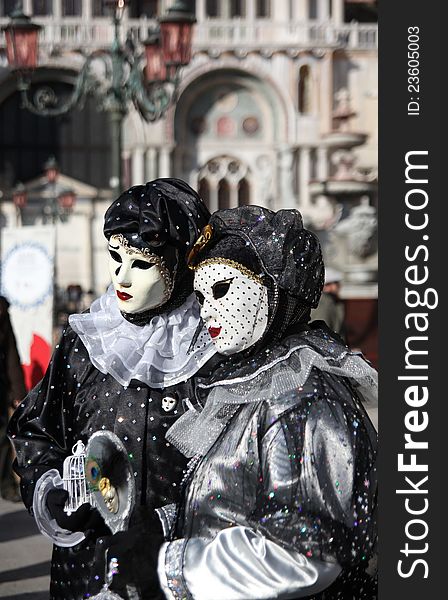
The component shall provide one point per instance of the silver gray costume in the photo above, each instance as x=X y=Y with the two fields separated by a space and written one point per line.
x=280 y=497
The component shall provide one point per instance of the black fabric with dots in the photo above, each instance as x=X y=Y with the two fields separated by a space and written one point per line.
x=73 y=401
x=163 y=212
x=289 y=254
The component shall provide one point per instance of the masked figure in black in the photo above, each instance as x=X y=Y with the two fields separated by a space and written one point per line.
x=125 y=366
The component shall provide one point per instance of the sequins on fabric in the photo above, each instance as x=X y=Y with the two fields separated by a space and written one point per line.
x=298 y=469
x=275 y=372
x=72 y=402
x=173 y=568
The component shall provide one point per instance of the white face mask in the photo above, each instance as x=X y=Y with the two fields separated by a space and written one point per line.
x=138 y=281
x=234 y=306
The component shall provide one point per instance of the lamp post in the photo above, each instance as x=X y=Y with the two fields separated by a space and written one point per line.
x=150 y=88
x=58 y=203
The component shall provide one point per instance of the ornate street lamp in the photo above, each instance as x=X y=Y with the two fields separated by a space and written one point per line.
x=51 y=169
x=19 y=196
x=150 y=88
x=59 y=203
x=21 y=41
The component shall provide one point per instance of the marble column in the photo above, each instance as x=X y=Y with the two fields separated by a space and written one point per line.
x=213 y=202
x=304 y=177
x=300 y=11
x=250 y=10
x=151 y=164
x=280 y=11
x=224 y=10
x=233 y=194
x=286 y=162
x=27 y=6
x=326 y=92
x=57 y=9
x=323 y=10
x=165 y=162
x=338 y=12
x=322 y=163
x=200 y=10
x=138 y=166
x=86 y=10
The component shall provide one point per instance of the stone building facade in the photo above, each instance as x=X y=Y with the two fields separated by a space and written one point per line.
x=278 y=107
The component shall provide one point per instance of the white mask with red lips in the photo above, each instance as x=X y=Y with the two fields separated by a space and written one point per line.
x=138 y=282
x=234 y=306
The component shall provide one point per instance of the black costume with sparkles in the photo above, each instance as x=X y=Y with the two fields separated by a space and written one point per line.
x=75 y=399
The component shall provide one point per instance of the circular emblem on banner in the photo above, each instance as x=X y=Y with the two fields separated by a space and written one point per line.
x=27 y=275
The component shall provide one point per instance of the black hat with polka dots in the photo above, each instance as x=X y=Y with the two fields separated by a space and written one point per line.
x=163 y=212
x=271 y=244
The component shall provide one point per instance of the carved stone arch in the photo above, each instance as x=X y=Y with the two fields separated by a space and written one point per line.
x=277 y=95
x=79 y=139
x=225 y=182
x=307 y=88
x=8 y=85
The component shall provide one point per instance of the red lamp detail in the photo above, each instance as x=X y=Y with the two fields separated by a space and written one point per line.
x=176 y=29
x=67 y=199
x=51 y=169
x=21 y=41
x=155 y=69
x=19 y=196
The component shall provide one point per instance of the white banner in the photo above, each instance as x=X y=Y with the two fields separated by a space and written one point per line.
x=27 y=282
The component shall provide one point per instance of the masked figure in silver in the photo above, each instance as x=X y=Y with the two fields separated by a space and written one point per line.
x=279 y=499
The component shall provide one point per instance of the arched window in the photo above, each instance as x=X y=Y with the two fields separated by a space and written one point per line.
x=243 y=193
x=42 y=7
x=212 y=8
x=6 y=7
x=224 y=182
x=143 y=8
x=237 y=8
x=71 y=8
x=223 y=194
x=263 y=8
x=204 y=191
x=305 y=100
x=312 y=9
x=80 y=140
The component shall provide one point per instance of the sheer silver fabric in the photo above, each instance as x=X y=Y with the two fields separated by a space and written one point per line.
x=283 y=499
x=274 y=374
x=157 y=354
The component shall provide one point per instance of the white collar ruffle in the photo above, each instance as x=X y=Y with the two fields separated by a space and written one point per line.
x=156 y=354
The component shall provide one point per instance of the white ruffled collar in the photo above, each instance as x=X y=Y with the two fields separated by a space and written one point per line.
x=156 y=354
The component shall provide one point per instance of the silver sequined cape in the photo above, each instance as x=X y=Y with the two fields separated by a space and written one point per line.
x=281 y=499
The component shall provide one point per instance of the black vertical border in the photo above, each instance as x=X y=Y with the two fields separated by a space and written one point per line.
x=399 y=134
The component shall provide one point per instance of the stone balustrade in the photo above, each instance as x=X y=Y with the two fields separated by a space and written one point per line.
x=75 y=33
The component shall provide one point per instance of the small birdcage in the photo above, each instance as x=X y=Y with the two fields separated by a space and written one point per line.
x=74 y=480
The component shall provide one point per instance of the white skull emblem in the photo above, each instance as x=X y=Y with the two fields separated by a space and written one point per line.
x=169 y=403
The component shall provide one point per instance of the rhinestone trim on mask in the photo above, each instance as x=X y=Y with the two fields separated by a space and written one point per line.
x=230 y=263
